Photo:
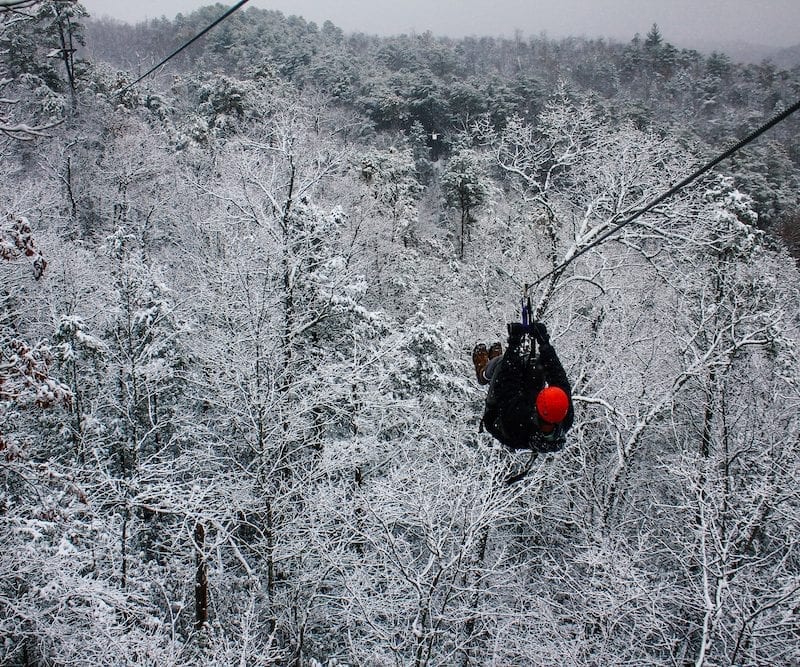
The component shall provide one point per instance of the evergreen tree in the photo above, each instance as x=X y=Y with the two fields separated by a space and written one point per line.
x=465 y=188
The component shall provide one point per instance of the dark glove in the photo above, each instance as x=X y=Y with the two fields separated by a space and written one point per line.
x=539 y=332
x=515 y=332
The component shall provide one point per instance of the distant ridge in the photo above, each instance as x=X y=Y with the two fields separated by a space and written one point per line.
x=746 y=52
x=787 y=58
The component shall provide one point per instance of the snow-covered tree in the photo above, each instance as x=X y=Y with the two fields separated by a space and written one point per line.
x=465 y=188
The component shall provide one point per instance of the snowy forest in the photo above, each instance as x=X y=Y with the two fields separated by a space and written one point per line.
x=239 y=421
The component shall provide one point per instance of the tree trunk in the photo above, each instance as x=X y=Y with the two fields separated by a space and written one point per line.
x=124 y=548
x=469 y=625
x=270 y=565
x=68 y=56
x=201 y=579
x=464 y=220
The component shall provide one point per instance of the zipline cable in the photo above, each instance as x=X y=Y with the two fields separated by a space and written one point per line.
x=675 y=188
x=181 y=48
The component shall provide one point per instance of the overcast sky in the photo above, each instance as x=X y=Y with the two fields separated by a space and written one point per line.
x=682 y=22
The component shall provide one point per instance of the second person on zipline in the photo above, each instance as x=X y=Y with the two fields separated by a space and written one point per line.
x=529 y=403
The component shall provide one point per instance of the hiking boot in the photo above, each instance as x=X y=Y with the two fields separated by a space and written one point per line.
x=480 y=357
x=495 y=350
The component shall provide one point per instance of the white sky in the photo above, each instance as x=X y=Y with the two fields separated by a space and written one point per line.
x=682 y=22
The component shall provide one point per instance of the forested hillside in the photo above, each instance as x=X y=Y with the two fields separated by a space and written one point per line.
x=421 y=85
x=238 y=415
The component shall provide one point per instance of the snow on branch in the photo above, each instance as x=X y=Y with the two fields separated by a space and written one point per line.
x=19 y=131
x=7 y=5
x=23 y=131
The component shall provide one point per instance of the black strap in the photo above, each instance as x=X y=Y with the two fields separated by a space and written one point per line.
x=523 y=473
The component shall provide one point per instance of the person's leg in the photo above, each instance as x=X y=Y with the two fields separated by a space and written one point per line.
x=491 y=367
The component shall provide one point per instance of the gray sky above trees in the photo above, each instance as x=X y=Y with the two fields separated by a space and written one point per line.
x=682 y=22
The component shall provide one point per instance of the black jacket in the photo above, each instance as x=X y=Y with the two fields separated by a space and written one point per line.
x=510 y=414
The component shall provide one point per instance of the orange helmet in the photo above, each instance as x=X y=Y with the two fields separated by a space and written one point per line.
x=552 y=403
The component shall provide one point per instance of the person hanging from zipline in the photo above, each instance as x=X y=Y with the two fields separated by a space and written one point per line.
x=529 y=402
